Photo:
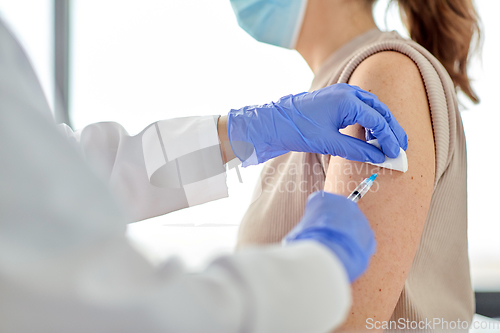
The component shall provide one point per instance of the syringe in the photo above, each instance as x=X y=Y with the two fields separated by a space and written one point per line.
x=362 y=188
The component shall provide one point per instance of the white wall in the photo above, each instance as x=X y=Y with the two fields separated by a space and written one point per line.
x=481 y=123
x=31 y=21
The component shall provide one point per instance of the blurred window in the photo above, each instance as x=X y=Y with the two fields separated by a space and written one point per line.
x=32 y=23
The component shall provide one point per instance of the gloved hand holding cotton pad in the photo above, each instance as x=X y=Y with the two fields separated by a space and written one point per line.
x=399 y=163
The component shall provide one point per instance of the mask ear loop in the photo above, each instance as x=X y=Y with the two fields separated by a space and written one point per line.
x=298 y=27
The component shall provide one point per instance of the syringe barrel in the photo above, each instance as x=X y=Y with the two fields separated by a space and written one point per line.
x=354 y=196
x=360 y=191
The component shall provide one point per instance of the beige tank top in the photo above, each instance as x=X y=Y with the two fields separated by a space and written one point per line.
x=438 y=285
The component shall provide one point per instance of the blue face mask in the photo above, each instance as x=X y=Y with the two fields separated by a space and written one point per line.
x=276 y=22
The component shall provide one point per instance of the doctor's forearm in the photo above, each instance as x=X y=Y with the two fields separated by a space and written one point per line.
x=227 y=151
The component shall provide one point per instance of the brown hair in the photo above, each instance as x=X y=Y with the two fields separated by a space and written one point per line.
x=448 y=29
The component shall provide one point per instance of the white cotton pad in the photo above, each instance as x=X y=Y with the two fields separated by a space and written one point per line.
x=399 y=163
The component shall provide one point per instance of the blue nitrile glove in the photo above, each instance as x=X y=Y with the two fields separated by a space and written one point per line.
x=310 y=122
x=338 y=224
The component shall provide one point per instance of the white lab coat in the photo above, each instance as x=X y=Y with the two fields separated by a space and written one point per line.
x=66 y=265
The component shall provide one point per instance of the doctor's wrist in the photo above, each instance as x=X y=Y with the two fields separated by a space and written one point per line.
x=226 y=149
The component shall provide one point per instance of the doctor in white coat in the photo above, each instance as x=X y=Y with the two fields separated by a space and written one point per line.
x=66 y=265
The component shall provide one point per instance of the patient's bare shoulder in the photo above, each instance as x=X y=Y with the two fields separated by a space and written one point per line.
x=398 y=205
x=395 y=78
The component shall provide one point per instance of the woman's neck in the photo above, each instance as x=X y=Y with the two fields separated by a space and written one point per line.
x=328 y=25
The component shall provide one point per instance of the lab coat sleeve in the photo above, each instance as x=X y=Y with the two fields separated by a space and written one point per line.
x=170 y=165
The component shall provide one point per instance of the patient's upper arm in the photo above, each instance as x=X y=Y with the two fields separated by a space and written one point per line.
x=398 y=203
